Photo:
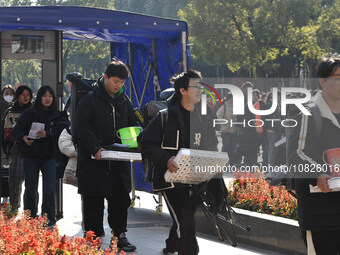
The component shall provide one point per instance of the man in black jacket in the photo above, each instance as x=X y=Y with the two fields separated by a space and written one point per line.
x=185 y=128
x=99 y=115
x=319 y=213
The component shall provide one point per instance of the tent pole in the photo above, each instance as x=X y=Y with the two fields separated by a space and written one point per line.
x=184 y=51
x=59 y=92
x=0 y=62
x=133 y=86
x=59 y=59
x=132 y=82
x=154 y=64
x=132 y=93
x=130 y=49
x=145 y=85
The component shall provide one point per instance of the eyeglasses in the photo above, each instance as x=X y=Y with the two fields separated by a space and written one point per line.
x=335 y=80
x=196 y=87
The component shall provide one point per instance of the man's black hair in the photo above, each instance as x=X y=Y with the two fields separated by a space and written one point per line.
x=21 y=89
x=41 y=92
x=182 y=81
x=117 y=68
x=327 y=65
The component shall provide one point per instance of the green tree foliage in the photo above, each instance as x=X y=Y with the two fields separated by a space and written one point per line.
x=328 y=31
x=264 y=37
x=8 y=3
x=86 y=57
x=162 y=8
x=107 y=4
x=26 y=72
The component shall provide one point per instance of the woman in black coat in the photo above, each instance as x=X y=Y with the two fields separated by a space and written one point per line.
x=38 y=148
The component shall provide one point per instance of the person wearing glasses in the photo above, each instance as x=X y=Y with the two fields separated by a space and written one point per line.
x=318 y=212
x=99 y=115
x=185 y=127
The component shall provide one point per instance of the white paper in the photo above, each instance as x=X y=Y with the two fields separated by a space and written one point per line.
x=121 y=156
x=36 y=126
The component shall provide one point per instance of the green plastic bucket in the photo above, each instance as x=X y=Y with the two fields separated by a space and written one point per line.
x=128 y=135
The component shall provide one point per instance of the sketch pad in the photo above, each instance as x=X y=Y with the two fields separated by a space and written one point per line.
x=196 y=166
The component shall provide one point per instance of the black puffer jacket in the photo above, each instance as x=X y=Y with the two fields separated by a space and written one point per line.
x=316 y=211
x=41 y=148
x=173 y=132
x=98 y=118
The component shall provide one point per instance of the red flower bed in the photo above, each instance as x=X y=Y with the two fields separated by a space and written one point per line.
x=24 y=235
x=253 y=193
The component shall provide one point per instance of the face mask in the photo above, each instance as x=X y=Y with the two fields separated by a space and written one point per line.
x=8 y=98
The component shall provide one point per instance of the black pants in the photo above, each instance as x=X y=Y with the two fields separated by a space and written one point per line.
x=228 y=141
x=323 y=242
x=182 y=206
x=118 y=204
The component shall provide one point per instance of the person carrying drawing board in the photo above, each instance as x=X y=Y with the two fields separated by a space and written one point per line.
x=183 y=127
x=100 y=113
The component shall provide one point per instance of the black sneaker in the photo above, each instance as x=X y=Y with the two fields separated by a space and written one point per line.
x=124 y=244
x=166 y=252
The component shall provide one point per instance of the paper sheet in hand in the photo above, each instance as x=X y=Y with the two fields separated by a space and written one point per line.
x=196 y=166
x=36 y=126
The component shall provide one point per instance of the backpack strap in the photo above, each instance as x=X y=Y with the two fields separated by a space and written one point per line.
x=316 y=115
x=164 y=119
x=93 y=102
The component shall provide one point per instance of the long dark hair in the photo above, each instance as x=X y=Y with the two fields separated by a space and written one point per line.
x=20 y=90
x=41 y=92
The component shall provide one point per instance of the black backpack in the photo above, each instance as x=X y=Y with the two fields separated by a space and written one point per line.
x=148 y=166
x=151 y=109
x=80 y=87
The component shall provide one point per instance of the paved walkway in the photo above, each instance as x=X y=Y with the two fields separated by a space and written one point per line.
x=147 y=229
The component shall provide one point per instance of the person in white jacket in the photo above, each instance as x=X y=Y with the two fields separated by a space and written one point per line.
x=66 y=147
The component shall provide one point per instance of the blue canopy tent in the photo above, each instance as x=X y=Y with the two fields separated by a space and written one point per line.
x=154 y=48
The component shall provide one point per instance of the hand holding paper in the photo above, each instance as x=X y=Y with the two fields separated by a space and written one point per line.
x=36 y=126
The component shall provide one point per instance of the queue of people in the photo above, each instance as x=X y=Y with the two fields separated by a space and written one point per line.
x=254 y=141
x=107 y=108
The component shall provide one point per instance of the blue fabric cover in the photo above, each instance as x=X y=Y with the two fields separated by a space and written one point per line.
x=119 y=28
